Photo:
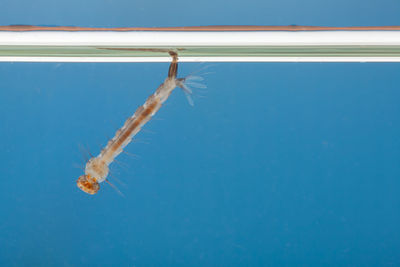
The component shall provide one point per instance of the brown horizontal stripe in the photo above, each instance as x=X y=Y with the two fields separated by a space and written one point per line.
x=201 y=28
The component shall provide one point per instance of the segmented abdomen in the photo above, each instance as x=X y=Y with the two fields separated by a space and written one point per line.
x=134 y=124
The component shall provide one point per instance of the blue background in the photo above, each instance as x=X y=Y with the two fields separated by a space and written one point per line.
x=277 y=164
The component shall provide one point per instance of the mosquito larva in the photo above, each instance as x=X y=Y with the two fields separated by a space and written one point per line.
x=96 y=170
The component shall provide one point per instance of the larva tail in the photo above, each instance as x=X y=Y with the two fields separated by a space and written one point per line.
x=189 y=82
x=173 y=68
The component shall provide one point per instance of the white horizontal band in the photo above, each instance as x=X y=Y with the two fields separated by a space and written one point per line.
x=270 y=38
x=200 y=59
x=233 y=46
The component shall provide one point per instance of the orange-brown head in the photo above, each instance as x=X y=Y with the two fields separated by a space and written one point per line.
x=88 y=184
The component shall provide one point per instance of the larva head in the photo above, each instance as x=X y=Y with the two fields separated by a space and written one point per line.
x=88 y=184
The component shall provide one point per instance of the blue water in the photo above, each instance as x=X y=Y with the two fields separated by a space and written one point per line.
x=277 y=164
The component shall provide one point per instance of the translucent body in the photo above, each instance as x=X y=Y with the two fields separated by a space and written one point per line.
x=96 y=169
